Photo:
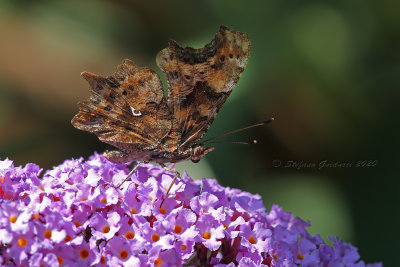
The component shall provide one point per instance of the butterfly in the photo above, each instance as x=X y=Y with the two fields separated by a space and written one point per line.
x=128 y=110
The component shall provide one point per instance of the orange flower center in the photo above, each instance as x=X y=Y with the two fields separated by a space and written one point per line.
x=183 y=247
x=155 y=237
x=84 y=253
x=206 y=235
x=103 y=200
x=162 y=211
x=12 y=219
x=275 y=256
x=158 y=262
x=299 y=256
x=77 y=224
x=130 y=235
x=60 y=260
x=47 y=234
x=252 y=240
x=22 y=242
x=102 y=260
x=67 y=238
x=178 y=229
x=133 y=211
x=123 y=254
x=106 y=229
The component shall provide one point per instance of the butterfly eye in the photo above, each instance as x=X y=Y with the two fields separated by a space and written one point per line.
x=195 y=160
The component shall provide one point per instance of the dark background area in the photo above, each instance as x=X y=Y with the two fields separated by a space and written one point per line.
x=327 y=71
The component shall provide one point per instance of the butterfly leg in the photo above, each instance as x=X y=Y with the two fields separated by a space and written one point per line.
x=131 y=172
x=173 y=180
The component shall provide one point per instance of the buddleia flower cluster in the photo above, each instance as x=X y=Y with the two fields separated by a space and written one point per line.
x=76 y=215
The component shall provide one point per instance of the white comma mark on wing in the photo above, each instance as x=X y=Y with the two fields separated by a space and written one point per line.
x=134 y=113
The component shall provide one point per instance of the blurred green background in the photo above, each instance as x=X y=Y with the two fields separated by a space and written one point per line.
x=328 y=71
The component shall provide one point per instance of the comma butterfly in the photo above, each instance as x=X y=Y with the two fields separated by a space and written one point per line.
x=129 y=111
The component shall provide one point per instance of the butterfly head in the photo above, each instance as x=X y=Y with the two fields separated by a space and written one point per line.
x=199 y=151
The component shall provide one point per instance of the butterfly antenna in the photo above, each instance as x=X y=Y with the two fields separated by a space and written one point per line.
x=241 y=129
x=251 y=142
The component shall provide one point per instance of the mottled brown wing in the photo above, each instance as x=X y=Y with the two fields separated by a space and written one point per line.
x=127 y=110
x=200 y=80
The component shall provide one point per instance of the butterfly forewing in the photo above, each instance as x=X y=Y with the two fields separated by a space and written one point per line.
x=200 y=80
x=128 y=107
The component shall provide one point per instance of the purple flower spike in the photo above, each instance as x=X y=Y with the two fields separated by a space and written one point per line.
x=76 y=215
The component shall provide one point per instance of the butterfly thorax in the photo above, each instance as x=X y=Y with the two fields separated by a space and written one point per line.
x=194 y=153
